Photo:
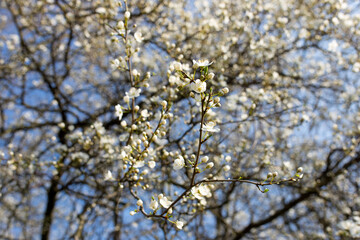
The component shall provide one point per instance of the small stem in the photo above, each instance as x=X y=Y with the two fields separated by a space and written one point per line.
x=128 y=53
x=203 y=111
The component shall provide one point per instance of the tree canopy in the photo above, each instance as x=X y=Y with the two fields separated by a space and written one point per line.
x=161 y=119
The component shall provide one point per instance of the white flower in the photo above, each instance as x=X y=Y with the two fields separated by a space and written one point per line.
x=164 y=201
x=108 y=176
x=204 y=190
x=163 y=103
x=201 y=191
x=115 y=64
x=198 y=86
x=195 y=191
x=210 y=127
x=201 y=63
x=101 y=10
x=118 y=111
x=356 y=67
x=203 y=202
x=154 y=204
x=135 y=72
x=227 y=168
x=333 y=45
x=177 y=66
x=139 y=164
x=179 y=163
x=179 y=224
x=152 y=164
x=145 y=113
x=132 y=213
x=138 y=37
x=133 y=92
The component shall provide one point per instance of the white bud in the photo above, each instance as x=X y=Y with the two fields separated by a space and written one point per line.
x=225 y=90
x=204 y=159
x=127 y=15
x=140 y=203
x=164 y=104
x=209 y=165
x=227 y=168
x=211 y=75
x=120 y=25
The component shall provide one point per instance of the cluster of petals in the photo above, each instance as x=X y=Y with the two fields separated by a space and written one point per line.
x=201 y=191
x=198 y=86
x=118 y=111
x=133 y=92
x=210 y=127
x=179 y=163
x=164 y=201
x=154 y=204
x=201 y=63
x=179 y=224
x=108 y=176
x=138 y=37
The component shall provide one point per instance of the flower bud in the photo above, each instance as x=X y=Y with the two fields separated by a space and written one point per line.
x=164 y=104
x=140 y=203
x=204 y=159
x=211 y=76
x=210 y=165
x=225 y=90
x=127 y=15
x=227 y=168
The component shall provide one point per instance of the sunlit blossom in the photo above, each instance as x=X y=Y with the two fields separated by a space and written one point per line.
x=138 y=36
x=210 y=127
x=164 y=201
x=179 y=224
x=108 y=176
x=154 y=204
x=179 y=163
x=198 y=86
x=118 y=111
x=201 y=63
x=133 y=92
